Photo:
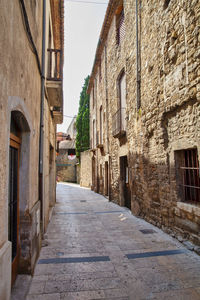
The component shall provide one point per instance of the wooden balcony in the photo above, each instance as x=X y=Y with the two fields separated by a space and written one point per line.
x=54 y=83
x=119 y=123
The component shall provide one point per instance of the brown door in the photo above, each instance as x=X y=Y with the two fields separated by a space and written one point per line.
x=13 y=204
x=124 y=176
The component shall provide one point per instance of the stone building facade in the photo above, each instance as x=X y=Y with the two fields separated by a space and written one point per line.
x=85 y=169
x=60 y=136
x=66 y=161
x=31 y=104
x=145 y=112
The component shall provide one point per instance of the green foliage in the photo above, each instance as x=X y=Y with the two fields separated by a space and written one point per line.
x=83 y=121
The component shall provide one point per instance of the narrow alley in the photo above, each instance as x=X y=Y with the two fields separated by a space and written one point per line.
x=98 y=250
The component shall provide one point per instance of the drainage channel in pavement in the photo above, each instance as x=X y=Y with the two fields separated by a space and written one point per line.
x=156 y=253
x=147 y=231
x=68 y=260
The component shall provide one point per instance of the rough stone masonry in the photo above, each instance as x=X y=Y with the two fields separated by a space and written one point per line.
x=162 y=135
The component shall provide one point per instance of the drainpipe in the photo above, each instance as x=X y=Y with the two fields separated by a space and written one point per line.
x=138 y=80
x=41 y=145
x=106 y=84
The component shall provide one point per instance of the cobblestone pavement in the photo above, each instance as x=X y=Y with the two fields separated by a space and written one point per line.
x=98 y=250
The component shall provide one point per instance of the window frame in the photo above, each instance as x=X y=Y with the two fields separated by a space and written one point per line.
x=120 y=24
x=188 y=175
x=166 y=4
x=101 y=124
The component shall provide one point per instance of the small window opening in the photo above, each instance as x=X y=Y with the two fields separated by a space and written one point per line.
x=166 y=3
x=93 y=96
x=101 y=125
x=100 y=75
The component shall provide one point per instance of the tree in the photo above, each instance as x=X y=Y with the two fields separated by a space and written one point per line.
x=83 y=121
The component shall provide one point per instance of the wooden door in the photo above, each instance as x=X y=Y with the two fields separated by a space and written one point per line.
x=106 y=178
x=13 y=202
x=125 y=185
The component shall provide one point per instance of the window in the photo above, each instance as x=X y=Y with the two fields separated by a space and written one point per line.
x=188 y=175
x=93 y=96
x=94 y=92
x=94 y=134
x=100 y=75
x=122 y=98
x=122 y=90
x=101 y=126
x=71 y=152
x=49 y=68
x=119 y=118
x=120 y=25
x=166 y=3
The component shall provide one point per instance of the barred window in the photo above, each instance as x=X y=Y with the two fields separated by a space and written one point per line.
x=188 y=175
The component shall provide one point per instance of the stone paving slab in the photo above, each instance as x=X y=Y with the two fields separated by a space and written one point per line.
x=21 y=287
x=186 y=294
x=84 y=295
x=86 y=225
x=44 y=297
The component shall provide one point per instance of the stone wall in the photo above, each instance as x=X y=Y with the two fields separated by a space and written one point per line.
x=20 y=95
x=65 y=168
x=85 y=169
x=168 y=119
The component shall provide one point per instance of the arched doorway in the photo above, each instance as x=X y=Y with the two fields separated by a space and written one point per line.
x=13 y=202
x=17 y=197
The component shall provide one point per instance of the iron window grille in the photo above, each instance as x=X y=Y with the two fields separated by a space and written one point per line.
x=189 y=175
x=119 y=123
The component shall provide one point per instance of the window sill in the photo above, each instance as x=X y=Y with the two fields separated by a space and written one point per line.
x=190 y=208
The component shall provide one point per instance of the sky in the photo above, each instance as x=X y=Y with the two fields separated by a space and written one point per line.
x=83 y=22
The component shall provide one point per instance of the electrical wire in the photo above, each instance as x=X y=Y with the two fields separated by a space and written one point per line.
x=69 y=116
